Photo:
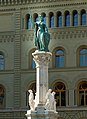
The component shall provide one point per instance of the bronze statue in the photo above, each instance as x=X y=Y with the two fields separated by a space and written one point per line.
x=41 y=35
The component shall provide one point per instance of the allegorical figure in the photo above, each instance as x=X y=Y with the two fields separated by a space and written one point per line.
x=49 y=98
x=41 y=35
x=50 y=101
x=31 y=100
x=53 y=101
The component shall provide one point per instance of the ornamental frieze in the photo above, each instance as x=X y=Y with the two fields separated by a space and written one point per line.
x=57 y=35
x=7 y=38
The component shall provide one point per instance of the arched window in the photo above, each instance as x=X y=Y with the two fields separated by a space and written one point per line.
x=83 y=17
x=67 y=18
x=44 y=16
x=33 y=87
x=2 y=97
x=60 y=96
x=51 y=20
x=83 y=57
x=82 y=91
x=32 y=64
x=59 y=19
x=59 y=58
x=2 y=61
x=75 y=18
x=28 y=22
x=35 y=17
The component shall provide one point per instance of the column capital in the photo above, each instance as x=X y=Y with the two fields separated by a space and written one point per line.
x=42 y=58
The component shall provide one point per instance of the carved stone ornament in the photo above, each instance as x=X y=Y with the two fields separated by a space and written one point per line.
x=41 y=58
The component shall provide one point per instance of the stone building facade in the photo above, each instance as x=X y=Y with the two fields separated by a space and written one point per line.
x=67 y=24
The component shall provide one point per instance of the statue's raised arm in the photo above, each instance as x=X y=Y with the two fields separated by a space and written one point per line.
x=41 y=35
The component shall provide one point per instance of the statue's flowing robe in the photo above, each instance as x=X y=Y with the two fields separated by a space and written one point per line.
x=41 y=37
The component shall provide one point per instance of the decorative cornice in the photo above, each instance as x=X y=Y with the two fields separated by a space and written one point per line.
x=41 y=3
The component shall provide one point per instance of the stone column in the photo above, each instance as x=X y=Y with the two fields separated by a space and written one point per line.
x=42 y=60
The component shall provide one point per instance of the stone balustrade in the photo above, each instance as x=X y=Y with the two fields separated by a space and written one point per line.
x=12 y=2
x=21 y=2
x=15 y=2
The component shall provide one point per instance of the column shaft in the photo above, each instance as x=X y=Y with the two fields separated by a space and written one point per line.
x=42 y=60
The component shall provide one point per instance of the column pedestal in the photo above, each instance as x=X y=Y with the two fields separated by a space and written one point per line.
x=41 y=114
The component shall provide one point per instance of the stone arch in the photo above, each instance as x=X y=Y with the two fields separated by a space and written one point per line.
x=74 y=8
x=54 y=55
x=81 y=8
x=78 y=53
x=78 y=45
x=27 y=16
x=59 y=88
x=59 y=20
x=67 y=12
x=61 y=78
x=35 y=15
x=4 y=52
x=32 y=86
x=80 y=78
x=50 y=15
x=62 y=45
x=77 y=80
x=23 y=20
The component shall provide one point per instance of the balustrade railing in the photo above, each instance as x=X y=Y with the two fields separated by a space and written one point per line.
x=14 y=2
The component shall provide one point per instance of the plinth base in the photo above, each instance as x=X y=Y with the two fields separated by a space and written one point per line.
x=41 y=114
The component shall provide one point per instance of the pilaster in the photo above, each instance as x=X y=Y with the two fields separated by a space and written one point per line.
x=71 y=97
x=55 y=20
x=63 y=20
x=79 y=19
x=71 y=19
x=17 y=59
x=47 y=21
